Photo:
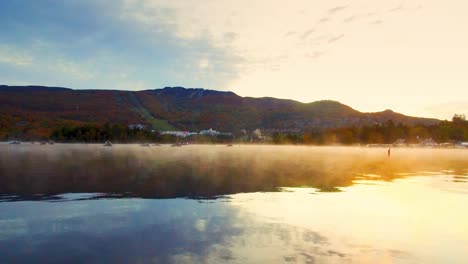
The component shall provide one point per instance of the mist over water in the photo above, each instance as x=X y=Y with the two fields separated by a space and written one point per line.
x=246 y=204
x=205 y=171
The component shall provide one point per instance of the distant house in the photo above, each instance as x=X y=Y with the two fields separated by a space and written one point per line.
x=136 y=126
x=228 y=134
x=429 y=142
x=447 y=145
x=178 y=133
x=399 y=142
x=209 y=132
x=213 y=133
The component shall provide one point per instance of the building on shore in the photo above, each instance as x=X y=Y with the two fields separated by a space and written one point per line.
x=213 y=133
x=209 y=132
x=137 y=126
x=400 y=143
x=428 y=142
x=178 y=133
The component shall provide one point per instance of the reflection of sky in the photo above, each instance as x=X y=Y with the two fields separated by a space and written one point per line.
x=417 y=219
x=107 y=230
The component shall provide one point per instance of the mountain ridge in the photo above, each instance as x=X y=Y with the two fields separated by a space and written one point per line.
x=185 y=109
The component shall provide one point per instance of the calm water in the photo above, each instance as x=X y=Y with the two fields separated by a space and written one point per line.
x=242 y=204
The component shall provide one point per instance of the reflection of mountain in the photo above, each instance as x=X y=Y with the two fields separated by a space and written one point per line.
x=40 y=172
x=180 y=108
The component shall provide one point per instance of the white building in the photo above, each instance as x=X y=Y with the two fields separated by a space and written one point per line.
x=429 y=142
x=213 y=133
x=209 y=132
x=178 y=133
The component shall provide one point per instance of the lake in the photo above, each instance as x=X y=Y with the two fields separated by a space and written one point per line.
x=88 y=203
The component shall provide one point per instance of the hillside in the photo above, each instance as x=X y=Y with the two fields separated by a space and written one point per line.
x=41 y=108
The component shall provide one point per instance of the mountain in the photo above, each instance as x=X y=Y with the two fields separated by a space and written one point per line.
x=179 y=108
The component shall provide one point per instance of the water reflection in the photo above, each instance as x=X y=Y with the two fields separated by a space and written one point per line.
x=110 y=231
x=150 y=231
x=275 y=205
x=34 y=172
x=412 y=220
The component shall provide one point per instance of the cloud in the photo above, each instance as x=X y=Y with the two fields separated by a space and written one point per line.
x=203 y=64
x=315 y=55
x=350 y=19
x=335 y=39
x=160 y=41
x=307 y=33
x=323 y=20
x=447 y=110
x=376 y=22
x=230 y=36
x=397 y=8
x=337 y=9
x=289 y=34
x=92 y=49
x=72 y=69
x=12 y=56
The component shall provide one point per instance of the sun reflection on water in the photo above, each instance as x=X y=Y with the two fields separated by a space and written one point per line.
x=250 y=204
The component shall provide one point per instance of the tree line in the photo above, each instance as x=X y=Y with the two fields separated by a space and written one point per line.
x=455 y=130
x=387 y=133
x=121 y=133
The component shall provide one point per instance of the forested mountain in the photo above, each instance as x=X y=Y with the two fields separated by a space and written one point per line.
x=43 y=108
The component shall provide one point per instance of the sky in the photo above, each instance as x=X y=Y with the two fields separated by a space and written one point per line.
x=406 y=55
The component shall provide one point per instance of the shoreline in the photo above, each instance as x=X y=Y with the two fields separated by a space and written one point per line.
x=159 y=144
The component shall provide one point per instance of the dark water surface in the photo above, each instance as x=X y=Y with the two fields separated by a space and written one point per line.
x=242 y=204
